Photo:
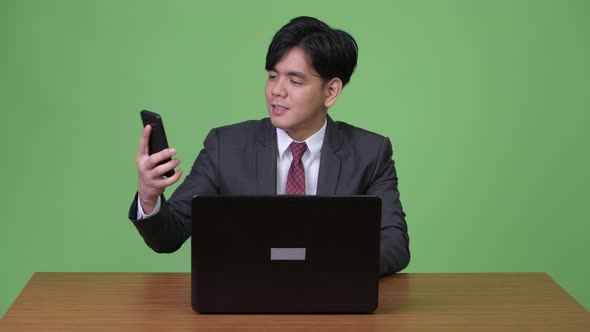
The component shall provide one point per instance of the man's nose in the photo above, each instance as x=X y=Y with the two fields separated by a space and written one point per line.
x=278 y=88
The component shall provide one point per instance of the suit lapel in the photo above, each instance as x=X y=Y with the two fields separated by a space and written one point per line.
x=266 y=159
x=330 y=161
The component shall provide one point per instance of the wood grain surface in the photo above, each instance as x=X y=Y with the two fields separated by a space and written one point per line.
x=407 y=302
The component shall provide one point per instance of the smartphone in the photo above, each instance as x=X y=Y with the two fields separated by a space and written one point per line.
x=158 y=140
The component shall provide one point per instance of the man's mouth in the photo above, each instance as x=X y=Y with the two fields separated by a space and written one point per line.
x=278 y=109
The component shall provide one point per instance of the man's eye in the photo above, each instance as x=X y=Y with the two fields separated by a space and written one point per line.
x=296 y=82
x=271 y=77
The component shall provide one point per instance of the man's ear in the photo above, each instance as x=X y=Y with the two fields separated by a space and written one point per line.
x=333 y=88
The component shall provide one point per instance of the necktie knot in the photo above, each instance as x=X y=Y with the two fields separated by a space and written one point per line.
x=297 y=150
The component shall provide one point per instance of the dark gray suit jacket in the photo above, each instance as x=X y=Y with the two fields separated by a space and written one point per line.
x=241 y=159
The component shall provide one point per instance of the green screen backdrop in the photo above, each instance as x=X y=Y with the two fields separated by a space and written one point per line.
x=486 y=103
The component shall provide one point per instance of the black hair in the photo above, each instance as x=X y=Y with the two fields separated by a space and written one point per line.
x=332 y=53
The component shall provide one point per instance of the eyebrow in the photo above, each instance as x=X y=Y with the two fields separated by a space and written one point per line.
x=292 y=73
x=297 y=74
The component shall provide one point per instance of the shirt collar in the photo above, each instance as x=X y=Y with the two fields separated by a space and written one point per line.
x=314 y=142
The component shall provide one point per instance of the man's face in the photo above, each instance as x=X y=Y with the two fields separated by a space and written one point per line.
x=296 y=96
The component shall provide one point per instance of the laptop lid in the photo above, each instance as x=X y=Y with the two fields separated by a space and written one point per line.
x=299 y=254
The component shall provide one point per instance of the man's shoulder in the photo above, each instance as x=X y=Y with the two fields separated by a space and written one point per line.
x=353 y=133
x=361 y=144
x=242 y=132
x=249 y=126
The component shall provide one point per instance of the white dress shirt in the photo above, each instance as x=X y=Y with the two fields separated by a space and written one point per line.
x=310 y=159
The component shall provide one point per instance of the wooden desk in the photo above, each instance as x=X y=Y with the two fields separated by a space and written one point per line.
x=408 y=302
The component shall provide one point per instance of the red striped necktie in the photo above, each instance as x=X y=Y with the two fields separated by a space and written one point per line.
x=296 y=176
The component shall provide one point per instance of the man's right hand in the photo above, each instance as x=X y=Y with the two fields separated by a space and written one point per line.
x=151 y=183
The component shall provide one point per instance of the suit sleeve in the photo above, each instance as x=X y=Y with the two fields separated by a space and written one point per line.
x=395 y=252
x=166 y=231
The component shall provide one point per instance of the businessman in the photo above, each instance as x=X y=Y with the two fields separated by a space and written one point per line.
x=297 y=150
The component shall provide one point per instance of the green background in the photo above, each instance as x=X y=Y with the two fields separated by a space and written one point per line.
x=486 y=104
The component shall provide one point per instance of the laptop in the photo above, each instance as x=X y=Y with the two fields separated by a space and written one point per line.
x=285 y=254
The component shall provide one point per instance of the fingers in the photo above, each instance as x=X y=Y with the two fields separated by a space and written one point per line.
x=144 y=141
x=153 y=160
x=153 y=184
x=156 y=184
x=172 y=180
x=164 y=168
x=151 y=175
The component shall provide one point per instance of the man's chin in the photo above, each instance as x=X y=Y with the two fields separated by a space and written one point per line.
x=278 y=123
